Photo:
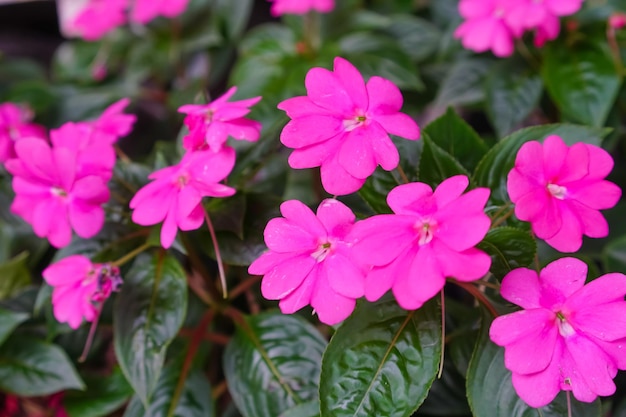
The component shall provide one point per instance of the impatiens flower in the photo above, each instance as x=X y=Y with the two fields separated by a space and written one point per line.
x=310 y=262
x=343 y=126
x=175 y=195
x=113 y=124
x=91 y=19
x=560 y=190
x=485 y=27
x=280 y=7
x=430 y=237
x=52 y=195
x=79 y=288
x=569 y=336
x=211 y=124
x=15 y=125
x=146 y=10
x=530 y=14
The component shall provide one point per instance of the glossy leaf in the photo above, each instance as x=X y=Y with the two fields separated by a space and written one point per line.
x=376 y=188
x=381 y=361
x=436 y=164
x=509 y=248
x=147 y=316
x=491 y=393
x=463 y=84
x=272 y=364
x=493 y=169
x=614 y=255
x=416 y=36
x=582 y=79
x=9 y=320
x=30 y=367
x=103 y=396
x=308 y=409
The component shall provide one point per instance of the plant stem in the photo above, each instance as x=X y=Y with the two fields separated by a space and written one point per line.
x=405 y=179
x=443 y=334
x=569 y=403
x=92 y=333
x=121 y=261
x=478 y=295
x=243 y=286
x=218 y=256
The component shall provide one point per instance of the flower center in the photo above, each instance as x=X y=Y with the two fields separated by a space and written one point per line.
x=565 y=329
x=182 y=180
x=209 y=115
x=59 y=192
x=557 y=191
x=322 y=251
x=425 y=231
x=357 y=121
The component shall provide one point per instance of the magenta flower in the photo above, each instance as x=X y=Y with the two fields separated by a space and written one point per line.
x=617 y=21
x=15 y=125
x=280 y=7
x=52 y=195
x=91 y=19
x=485 y=27
x=310 y=262
x=146 y=10
x=430 y=237
x=79 y=288
x=569 y=336
x=343 y=126
x=530 y=14
x=211 y=124
x=560 y=190
x=175 y=195
x=113 y=124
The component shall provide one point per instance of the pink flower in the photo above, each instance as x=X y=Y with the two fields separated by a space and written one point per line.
x=52 y=195
x=280 y=7
x=310 y=262
x=530 y=14
x=617 y=21
x=430 y=237
x=343 y=126
x=15 y=125
x=211 y=124
x=175 y=195
x=113 y=124
x=485 y=27
x=91 y=19
x=560 y=190
x=79 y=288
x=146 y=10
x=569 y=336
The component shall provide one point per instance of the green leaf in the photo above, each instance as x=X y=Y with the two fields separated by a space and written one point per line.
x=194 y=399
x=416 y=36
x=227 y=214
x=308 y=409
x=381 y=361
x=491 y=393
x=9 y=320
x=582 y=79
x=509 y=248
x=146 y=317
x=446 y=397
x=493 y=169
x=452 y=134
x=436 y=164
x=233 y=15
x=273 y=364
x=511 y=94
x=614 y=255
x=30 y=367
x=463 y=84
x=376 y=189
x=102 y=397
x=14 y=276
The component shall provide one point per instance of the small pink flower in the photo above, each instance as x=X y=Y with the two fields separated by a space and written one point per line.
x=280 y=7
x=530 y=14
x=91 y=19
x=79 y=288
x=430 y=237
x=485 y=27
x=560 y=190
x=310 y=262
x=343 y=126
x=146 y=10
x=15 y=125
x=52 y=195
x=211 y=124
x=617 y=21
x=569 y=336
x=175 y=195
x=113 y=124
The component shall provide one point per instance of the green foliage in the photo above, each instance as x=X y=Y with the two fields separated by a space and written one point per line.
x=103 y=396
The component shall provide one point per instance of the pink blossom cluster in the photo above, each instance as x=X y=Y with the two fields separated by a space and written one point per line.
x=92 y=19
x=80 y=287
x=60 y=185
x=174 y=197
x=329 y=260
x=495 y=24
x=280 y=7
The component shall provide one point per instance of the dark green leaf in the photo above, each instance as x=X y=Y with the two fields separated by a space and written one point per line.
x=436 y=164
x=491 y=393
x=103 y=396
x=9 y=320
x=417 y=37
x=227 y=214
x=463 y=84
x=234 y=16
x=446 y=397
x=614 y=255
x=30 y=367
x=147 y=316
x=493 y=169
x=273 y=363
x=308 y=409
x=509 y=248
x=381 y=361
x=511 y=94
x=582 y=79
x=14 y=276
x=452 y=134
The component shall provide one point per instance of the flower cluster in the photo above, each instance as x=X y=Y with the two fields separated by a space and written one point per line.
x=92 y=19
x=280 y=7
x=60 y=186
x=175 y=195
x=569 y=336
x=495 y=24
x=80 y=288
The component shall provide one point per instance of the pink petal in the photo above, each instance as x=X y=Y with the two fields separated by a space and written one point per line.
x=549 y=212
x=385 y=151
x=356 y=155
x=592 y=222
x=411 y=199
x=379 y=280
x=564 y=7
x=152 y=203
x=529 y=162
x=470 y=9
x=555 y=152
x=344 y=277
x=312 y=156
x=570 y=237
x=193 y=220
x=576 y=164
x=352 y=80
x=463 y=223
x=297 y=107
x=310 y=130
x=513 y=327
x=560 y=279
x=300 y=214
x=518 y=185
x=521 y=287
x=27 y=187
x=422 y=282
x=385 y=98
x=91 y=189
x=188 y=198
x=326 y=90
x=379 y=239
x=331 y=307
x=540 y=389
x=600 y=163
x=244 y=129
x=282 y=235
x=399 y=124
x=65 y=164
x=596 y=195
x=267 y=261
x=608 y=288
x=86 y=220
x=169 y=229
x=597 y=369
x=533 y=351
x=336 y=217
x=300 y=297
x=468 y=265
x=450 y=189
x=67 y=271
x=36 y=156
x=336 y=180
x=208 y=166
x=70 y=305
x=285 y=277
x=606 y=321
